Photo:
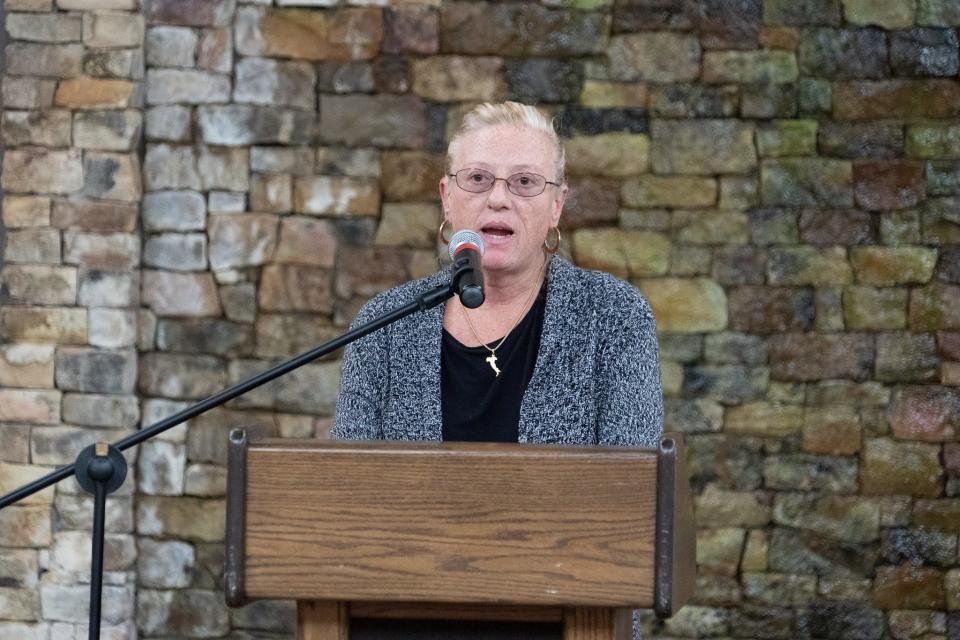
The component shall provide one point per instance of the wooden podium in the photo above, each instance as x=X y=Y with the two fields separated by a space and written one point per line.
x=567 y=538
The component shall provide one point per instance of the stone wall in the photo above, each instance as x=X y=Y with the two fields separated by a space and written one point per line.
x=195 y=189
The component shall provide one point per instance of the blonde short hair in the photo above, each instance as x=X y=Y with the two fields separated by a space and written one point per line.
x=514 y=114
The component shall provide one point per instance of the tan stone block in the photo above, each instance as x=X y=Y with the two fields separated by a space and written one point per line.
x=622 y=252
x=890 y=467
x=96 y=93
x=107 y=130
x=284 y=335
x=180 y=294
x=338 y=196
x=26 y=365
x=215 y=50
x=193 y=519
x=112 y=176
x=271 y=192
x=669 y=191
x=710 y=227
x=459 y=78
x=657 y=56
x=296 y=288
x=104 y=30
x=621 y=95
x=935 y=307
x=307 y=241
x=702 y=147
x=686 y=305
x=28 y=5
x=38 y=284
x=608 y=154
x=44 y=324
x=283 y=33
x=13 y=476
x=411 y=175
x=33 y=245
x=950 y=373
x=762 y=66
x=355 y=33
x=44 y=60
x=875 y=308
x=889 y=14
x=718 y=550
x=26 y=211
x=818 y=266
x=764 y=419
x=952 y=584
x=29 y=405
x=25 y=526
x=831 y=430
x=756 y=551
x=48 y=128
x=35 y=170
x=719 y=508
x=94 y=5
x=408 y=224
x=671 y=378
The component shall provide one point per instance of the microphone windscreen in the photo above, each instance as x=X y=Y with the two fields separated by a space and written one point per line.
x=462 y=237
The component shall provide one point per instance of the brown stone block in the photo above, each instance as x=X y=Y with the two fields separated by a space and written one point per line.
x=30 y=405
x=874 y=308
x=591 y=202
x=307 y=241
x=948 y=343
x=215 y=50
x=366 y=271
x=942 y=514
x=296 y=288
x=831 y=430
x=927 y=413
x=826 y=266
x=95 y=93
x=882 y=99
x=833 y=227
x=191 y=13
x=110 y=251
x=906 y=357
x=271 y=192
x=379 y=121
x=33 y=245
x=818 y=356
x=408 y=225
x=112 y=176
x=888 y=184
x=669 y=191
x=180 y=375
x=757 y=309
x=26 y=526
x=908 y=587
x=336 y=195
x=622 y=252
x=59 y=325
x=886 y=266
x=288 y=33
x=49 y=128
x=718 y=508
x=411 y=175
x=891 y=467
x=355 y=33
x=94 y=215
x=241 y=240
x=935 y=307
x=44 y=60
x=779 y=37
x=411 y=29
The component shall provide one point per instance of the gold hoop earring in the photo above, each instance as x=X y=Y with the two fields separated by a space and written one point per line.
x=441 y=238
x=556 y=245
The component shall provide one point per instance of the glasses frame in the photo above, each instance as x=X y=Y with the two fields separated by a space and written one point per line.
x=506 y=180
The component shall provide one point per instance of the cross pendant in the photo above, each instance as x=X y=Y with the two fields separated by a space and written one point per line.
x=492 y=359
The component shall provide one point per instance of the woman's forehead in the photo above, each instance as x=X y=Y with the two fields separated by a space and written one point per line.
x=506 y=146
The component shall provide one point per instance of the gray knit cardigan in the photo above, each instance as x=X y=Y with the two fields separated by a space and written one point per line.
x=596 y=379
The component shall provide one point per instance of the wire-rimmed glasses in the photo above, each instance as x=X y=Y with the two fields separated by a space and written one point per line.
x=523 y=184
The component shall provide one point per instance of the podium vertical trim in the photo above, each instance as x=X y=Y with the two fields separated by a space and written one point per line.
x=235 y=544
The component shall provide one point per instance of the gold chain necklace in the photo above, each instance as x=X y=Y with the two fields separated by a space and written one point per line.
x=492 y=358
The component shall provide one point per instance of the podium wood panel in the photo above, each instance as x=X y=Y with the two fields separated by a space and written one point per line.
x=482 y=523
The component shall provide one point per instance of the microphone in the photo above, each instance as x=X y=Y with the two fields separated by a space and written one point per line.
x=466 y=247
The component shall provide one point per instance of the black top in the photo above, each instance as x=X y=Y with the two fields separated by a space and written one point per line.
x=477 y=404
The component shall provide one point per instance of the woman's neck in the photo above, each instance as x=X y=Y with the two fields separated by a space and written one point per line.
x=505 y=289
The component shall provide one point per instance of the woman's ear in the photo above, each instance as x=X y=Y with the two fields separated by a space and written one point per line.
x=558 y=201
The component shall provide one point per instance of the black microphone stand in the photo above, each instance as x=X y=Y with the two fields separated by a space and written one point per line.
x=101 y=468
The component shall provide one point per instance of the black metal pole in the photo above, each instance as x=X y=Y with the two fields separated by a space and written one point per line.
x=96 y=559
x=425 y=301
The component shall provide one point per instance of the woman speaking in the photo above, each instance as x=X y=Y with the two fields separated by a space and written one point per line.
x=556 y=354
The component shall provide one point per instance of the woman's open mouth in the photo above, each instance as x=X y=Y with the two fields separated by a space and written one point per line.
x=496 y=231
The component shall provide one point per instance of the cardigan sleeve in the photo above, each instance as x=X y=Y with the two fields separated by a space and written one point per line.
x=364 y=384
x=630 y=396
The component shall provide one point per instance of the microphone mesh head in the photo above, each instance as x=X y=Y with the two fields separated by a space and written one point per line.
x=465 y=236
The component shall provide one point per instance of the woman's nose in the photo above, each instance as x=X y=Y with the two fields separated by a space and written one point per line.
x=499 y=194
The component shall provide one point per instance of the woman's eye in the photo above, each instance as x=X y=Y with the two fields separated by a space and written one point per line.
x=476 y=177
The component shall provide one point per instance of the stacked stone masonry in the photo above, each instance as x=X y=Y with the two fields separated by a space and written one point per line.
x=196 y=189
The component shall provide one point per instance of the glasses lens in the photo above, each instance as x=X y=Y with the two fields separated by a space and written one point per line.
x=475 y=180
x=527 y=184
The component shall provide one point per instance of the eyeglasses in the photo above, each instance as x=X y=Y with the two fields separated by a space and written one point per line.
x=524 y=184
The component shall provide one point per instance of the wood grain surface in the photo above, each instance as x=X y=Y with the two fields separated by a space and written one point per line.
x=450 y=523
